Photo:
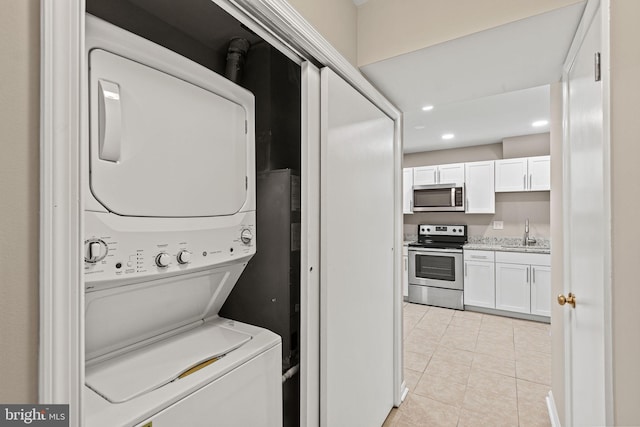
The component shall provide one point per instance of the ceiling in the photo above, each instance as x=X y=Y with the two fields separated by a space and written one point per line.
x=484 y=87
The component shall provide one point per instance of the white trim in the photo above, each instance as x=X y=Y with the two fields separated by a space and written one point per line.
x=553 y=411
x=400 y=388
x=61 y=356
x=310 y=249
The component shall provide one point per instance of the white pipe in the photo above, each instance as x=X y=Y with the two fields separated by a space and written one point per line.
x=290 y=373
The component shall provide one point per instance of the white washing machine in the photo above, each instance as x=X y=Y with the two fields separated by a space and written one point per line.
x=169 y=226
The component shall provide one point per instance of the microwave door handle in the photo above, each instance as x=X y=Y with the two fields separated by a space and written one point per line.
x=453 y=196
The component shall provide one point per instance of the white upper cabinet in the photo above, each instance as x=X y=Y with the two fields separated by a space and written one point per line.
x=480 y=196
x=539 y=173
x=407 y=190
x=441 y=174
x=523 y=174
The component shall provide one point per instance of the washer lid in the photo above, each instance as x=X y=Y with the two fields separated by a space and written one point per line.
x=164 y=147
x=132 y=374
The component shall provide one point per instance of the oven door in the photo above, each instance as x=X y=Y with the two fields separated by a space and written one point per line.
x=441 y=268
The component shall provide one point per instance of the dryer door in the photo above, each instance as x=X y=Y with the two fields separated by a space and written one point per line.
x=164 y=147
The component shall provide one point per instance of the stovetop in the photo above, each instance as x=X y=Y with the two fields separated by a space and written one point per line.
x=441 y=236
x=436 y=244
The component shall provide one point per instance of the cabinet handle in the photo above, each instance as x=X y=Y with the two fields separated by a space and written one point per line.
x=527 y=274
x=479 y=256
x=465 y=269
x=530 y=180
x=533 y=273
x=524 y=180
x=438 y=176
x=435 y=176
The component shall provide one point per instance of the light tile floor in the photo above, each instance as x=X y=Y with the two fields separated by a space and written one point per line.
x=471 y=369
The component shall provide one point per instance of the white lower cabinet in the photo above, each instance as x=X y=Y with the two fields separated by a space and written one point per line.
x=523 y=282
x=479 y=279
x=512 y=287
x=510 y=281
x=541 y=290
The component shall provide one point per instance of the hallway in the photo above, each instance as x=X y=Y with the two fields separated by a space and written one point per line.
x=470 y=369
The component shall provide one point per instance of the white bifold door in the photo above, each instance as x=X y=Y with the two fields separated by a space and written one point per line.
x=357 y=259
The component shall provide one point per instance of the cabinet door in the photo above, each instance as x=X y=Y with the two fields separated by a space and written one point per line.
x=540 y=290
x=513 y=291
x=451 y=174
x=480 y=196
x=425 y=175
x=407 y=190
x=479 y=284
x=511 y=175
x=539 y=173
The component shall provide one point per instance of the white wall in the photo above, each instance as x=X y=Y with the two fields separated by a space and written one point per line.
x=336 y=20
x=625 y=176
x=388 y=28
x=19 y=189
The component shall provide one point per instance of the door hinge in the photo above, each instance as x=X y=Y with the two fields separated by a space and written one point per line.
x=246 y=182
x=246 y=127
x=598 y=75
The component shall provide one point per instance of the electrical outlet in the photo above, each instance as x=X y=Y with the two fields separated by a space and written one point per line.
x=498 y=225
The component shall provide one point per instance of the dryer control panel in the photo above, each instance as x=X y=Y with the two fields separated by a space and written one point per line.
x=121 y=250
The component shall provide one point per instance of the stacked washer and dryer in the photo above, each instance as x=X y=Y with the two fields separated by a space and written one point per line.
x=169 y=225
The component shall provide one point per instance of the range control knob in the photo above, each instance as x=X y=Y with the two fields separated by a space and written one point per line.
x=163 y=259
x=184 y=257
x=246 y=236
x=95 y=250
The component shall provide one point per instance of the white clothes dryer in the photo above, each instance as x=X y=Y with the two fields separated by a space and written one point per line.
x=169 y=227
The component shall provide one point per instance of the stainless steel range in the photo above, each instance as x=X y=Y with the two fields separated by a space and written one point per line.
x=435 y=266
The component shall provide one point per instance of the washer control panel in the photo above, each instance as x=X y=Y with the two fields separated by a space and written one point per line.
x=114 y=252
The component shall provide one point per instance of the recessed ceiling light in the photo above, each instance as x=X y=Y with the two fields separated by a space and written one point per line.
x=539 y=123
x=418 y=127
x=427 y=108
x=448 y=136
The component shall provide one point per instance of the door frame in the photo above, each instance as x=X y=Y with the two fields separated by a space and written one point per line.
x=61 y=358
x=588 y=15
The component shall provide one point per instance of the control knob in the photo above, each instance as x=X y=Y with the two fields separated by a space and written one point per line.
x=163 y=259
x=246 y=236
x=95 y=250
x=184 y=257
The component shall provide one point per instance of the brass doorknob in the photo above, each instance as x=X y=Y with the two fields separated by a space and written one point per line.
x=569 y=299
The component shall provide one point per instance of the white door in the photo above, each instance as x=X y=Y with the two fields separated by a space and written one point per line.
x=586 y=228
x=357 y=259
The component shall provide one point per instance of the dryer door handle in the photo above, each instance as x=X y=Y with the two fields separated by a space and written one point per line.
x=110 y=120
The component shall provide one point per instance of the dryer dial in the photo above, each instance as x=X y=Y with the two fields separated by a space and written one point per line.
x=184 y=257
x=95 y=250
x=163 y=259
x=246 y=236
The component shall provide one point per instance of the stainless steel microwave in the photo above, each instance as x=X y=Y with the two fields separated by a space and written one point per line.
x=438 y=198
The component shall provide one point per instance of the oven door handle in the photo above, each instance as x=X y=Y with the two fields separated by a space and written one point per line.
x=436 y=251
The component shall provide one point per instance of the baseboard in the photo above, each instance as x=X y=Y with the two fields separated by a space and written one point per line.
x=553 y=411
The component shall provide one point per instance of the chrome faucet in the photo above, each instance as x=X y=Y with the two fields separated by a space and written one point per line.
x=527 y=241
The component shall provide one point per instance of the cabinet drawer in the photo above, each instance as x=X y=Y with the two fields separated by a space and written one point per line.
x=523 y=258
x=476 y=255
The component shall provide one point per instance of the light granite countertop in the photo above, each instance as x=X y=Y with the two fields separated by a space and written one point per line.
x=507 y=244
